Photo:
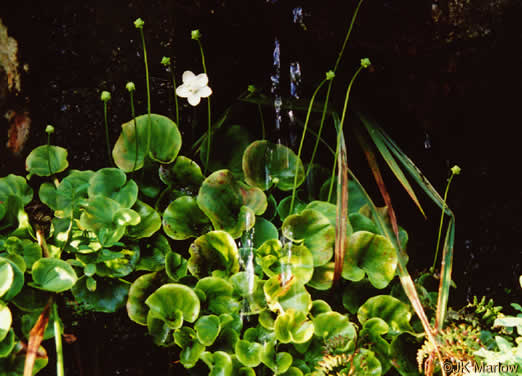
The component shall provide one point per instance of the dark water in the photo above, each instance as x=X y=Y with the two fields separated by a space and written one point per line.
x=444 y=103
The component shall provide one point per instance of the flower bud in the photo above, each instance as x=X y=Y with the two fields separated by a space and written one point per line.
x=165 y=61
x=330 y=75
x=139 y=23
x=195 y=34
x=105 y=96
x=455 y=170
x=365 y=63
x=49 y=129
x=130 y=86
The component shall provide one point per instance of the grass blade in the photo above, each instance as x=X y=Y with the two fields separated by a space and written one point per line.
x=445 y=277
x=377 y=139
x=342 y=208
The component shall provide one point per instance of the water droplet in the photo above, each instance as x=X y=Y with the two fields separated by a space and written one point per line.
x=427 y=141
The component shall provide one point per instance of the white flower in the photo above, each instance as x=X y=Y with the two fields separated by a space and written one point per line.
x=194 y=87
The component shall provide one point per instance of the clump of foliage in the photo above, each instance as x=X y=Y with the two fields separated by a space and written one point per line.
x=254 y=262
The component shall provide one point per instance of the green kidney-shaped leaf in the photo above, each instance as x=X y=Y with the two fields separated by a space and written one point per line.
x=46 y=160
x=165 y=142
x=184 y=175
x=174 y=303
x=293 y=326
x=213 y=251
x=54 y=275
x=65 y=199
x=315 y=230
x=6 y=277
x=107 y=219
x=161 y=332
x=329 y=325
x=5 y=320
x=7 y=344
x=139 y=291
x=266 y=164
x=219 y=363
x=150 y=221
x=283 y=293
x=394 y=312
x=248 y=353
x=207 y=329
x=184 y=219
x=370 y=254
x=322 y=278
x=112 y=183
x=278 y=362
x=294 y=260
x=230 y=204
x=13 y=185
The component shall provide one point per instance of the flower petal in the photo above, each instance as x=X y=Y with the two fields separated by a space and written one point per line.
x=187 y=77
x=194 y=99
x=202 y=79
x=204 y=92
x=183 y=91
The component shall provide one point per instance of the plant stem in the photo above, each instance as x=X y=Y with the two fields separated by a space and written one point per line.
x=49 y=153
x=302 y=142
x=337 y=62
x=107 y=140
x=432 y=269
x=175 y=96
x=209 y=131
x=148 y=91
x=58 y=342
x=263 y=134
x=340 y=130
x=133 y=114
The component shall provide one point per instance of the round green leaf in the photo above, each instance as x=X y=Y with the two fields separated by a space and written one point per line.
x=329 y=325
x=46 y=160
x=65 y=199
x=184 y=219
x=394 y=312
x=213 y=251
x=184 y=175
x=248 y=353
x=5 y=320
x=112 y=183
x=139 y=291
x=370 y=254
x=278 y=362
x=13 y=185
x=174 y=303
x=315 y=230
x=266 y=164
x=264 y=230
x=207 y=329
x=175 y=266
x=322 y=278
x=153 y=253
x=117 y=264
x=219 y=363
x=54 y=275
x=7 y=344
x=110 y=294
x=31 y=299
x=293 y=327
x=162 y=334
x=282 y=294
x=165 y=142
x=230 y=204
x=6 y=277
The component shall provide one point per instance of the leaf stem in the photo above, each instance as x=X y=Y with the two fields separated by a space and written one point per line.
x=148 y=91
x=175 y=96
x=209 y=131
x=302 y=142
x=58 y=342
x=340 y=128
x=133 y=114
x=107 y=139
x=432 y=269
x=329 y=89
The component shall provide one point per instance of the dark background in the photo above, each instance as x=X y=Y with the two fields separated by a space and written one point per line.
x=445 y=83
